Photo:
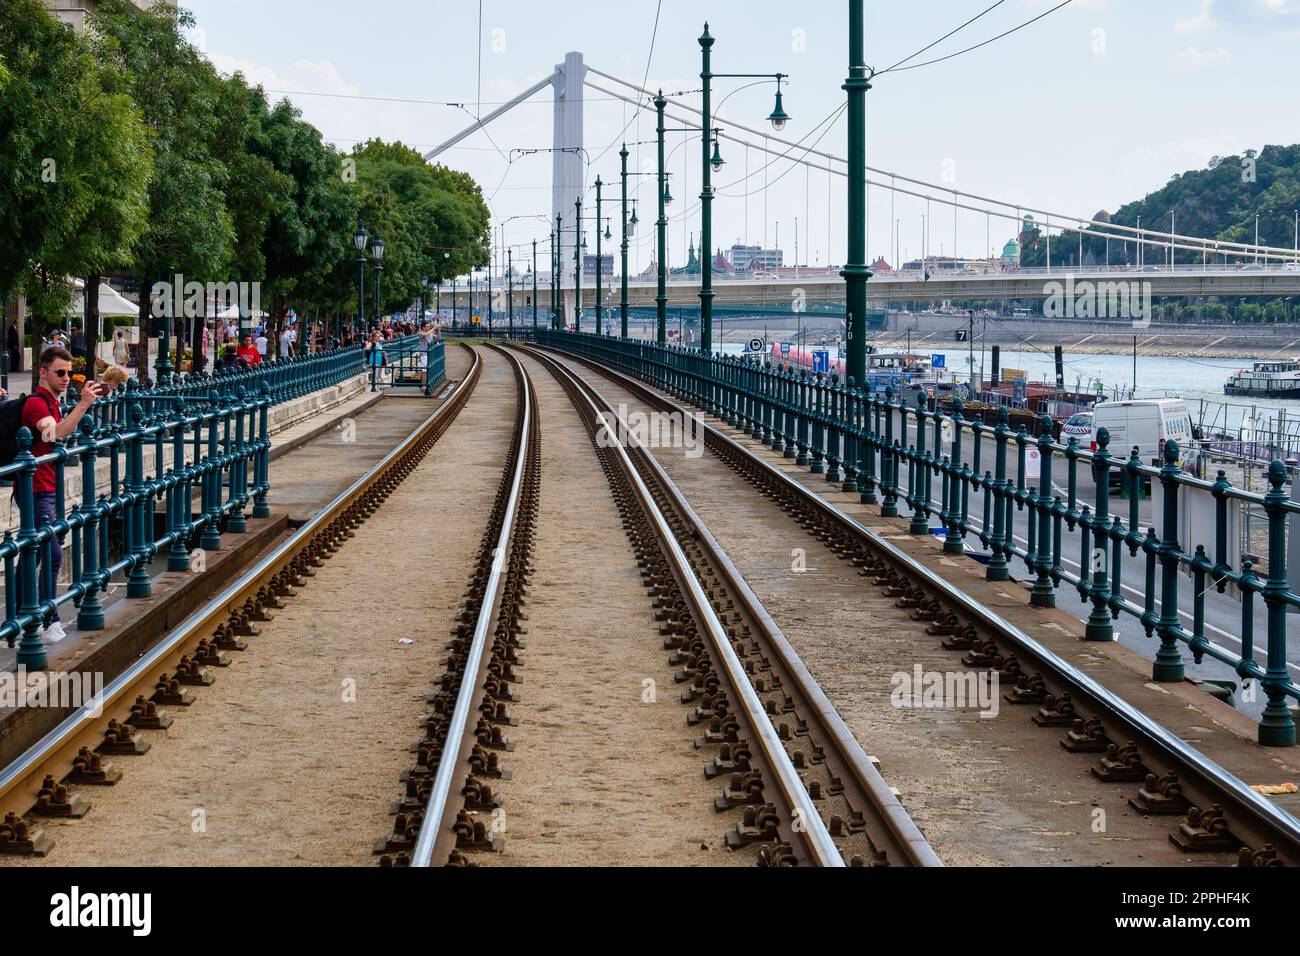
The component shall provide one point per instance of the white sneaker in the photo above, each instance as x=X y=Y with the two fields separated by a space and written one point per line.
x=54 y=633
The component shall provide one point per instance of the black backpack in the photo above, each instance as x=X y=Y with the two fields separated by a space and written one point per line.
x=11 y=419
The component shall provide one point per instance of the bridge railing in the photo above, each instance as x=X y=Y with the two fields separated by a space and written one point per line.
x=938 y=465
x=163 y=443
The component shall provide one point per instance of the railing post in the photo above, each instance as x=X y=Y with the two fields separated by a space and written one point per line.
x=998 y=568
x=90 y=615
x=852 y=418
x=954 y=472
x=31 y=649
x=889 y=458
x=917 y=495
x=262 y=455
x=868 y=442
x=178 y=511
x=237 y=522
x=817 y=394
x=138 y=584
x=1168 y=666
x=211 y=496
x=833 y=429
x=791 y=388
x=1101 y=625
x=1276 y=726
x=802 y=391
x=1043 y=593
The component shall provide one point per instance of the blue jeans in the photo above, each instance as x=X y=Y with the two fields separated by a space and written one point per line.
x=46 y=513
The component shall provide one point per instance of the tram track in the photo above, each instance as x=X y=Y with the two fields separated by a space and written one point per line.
x=89 y=748
x=1209 y=811
x=805 y=789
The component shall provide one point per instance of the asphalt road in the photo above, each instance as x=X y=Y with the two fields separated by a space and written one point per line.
x=1223 y=612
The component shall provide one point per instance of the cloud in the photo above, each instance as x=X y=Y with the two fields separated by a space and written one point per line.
x=1194 y=57
x=316 y=75
x=1202 y=21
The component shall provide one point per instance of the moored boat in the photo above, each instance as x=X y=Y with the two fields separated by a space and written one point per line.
x=1266 y=380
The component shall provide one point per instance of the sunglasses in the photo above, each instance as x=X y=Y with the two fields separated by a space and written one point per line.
x=60 y=372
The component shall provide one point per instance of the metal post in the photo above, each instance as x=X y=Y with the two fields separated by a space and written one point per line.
x=379 y=285
x=706 y=198
x=510 y=291
x=557 y=259
x=1101 y=625
x=361 y=293
x=577 y=266
x=661 y=227
x=599 y=270
x=31 y=649
x=855 y=271
x=1276 y=726
x=1168 y=665
x=534 y=285
x=622 y=302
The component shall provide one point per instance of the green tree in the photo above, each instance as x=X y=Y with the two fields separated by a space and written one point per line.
x=190 y=225
x=76 y=160
x=441 y=211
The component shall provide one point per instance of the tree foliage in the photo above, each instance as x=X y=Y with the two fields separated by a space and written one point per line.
x=162 y=165
x=74 y=157
x=1218 y=202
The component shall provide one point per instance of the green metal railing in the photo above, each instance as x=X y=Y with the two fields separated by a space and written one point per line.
x=163 y=443
x=886 y=451
x=408 y=363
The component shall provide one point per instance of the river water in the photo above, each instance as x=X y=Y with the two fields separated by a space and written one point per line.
x=1198 y=381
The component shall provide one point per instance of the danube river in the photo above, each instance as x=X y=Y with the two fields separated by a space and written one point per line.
x=1198 y=381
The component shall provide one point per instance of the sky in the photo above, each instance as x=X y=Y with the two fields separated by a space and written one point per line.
x=1094 y=105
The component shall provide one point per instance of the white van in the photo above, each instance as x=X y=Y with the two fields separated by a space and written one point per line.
x=1146 y=423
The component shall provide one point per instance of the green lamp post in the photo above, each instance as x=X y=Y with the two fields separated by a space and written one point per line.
x=855 y=271
x=712 y=160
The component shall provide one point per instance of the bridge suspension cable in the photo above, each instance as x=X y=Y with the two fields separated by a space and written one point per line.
x=1104 y=229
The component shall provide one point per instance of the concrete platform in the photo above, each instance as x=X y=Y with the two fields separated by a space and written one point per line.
x=314 y=458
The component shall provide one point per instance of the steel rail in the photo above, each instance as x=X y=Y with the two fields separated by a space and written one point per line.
x=20 y=779
x=1271 y=817
x=433 y=828
x=814 y=833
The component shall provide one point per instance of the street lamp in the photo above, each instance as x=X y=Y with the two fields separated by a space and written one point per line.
x=599 y=262
x=578 y=245
x=713 y=161
x=778 y=119
x=424 y=291
x=359 y=239
x=557 y=259
x=855 y=272
x=377 y=250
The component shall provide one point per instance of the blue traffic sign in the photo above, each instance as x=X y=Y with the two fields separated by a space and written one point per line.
x=821 y=360
x=938 y=361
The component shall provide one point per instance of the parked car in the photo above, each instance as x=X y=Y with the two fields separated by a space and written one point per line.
x=1078 y=427
x=1146 y=424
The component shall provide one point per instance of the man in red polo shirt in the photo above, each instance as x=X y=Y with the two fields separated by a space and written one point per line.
x=42 y=417
x=248 y=352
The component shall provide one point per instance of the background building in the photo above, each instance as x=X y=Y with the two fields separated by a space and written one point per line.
x=74 y=11
x=749 y=258
x=589 y=266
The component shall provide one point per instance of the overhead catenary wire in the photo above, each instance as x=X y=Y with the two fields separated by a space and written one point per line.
x=950 y=33
x=1027 y=23
x=1133 y=233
